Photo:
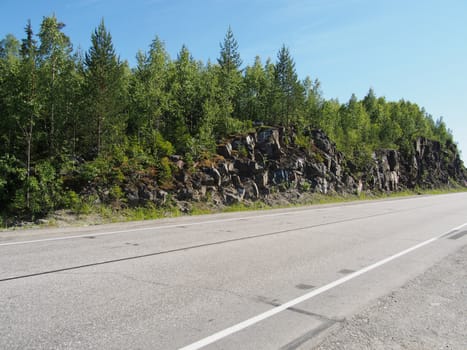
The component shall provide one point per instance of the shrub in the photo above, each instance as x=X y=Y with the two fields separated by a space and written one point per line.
x=303 y=141
x=41 y=193
x=12 y=177
x=163 y=147
x=71 y=200
x=165 y=171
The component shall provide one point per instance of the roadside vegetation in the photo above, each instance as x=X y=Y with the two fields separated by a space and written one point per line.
x=104 y=214
x=70 y=118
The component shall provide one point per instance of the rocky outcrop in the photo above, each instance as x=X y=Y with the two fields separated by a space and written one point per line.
x=252 y=167
x=429 y=165
x=268 y=163
x=274 y=162
x=384 y=172
x=433 y=166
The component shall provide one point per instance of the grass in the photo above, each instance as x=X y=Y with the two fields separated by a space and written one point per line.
x=316 y=199
x=101 y=214
x=247 y=206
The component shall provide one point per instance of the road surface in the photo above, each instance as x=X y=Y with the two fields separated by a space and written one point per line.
x=280 y=279
x=428 y=312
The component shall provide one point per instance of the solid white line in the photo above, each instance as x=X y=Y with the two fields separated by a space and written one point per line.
x=251 y=321
x=157 y=227
x=291 y=212
x=459 y=227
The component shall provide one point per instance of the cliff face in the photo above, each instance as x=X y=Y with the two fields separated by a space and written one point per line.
x=270 y=161
x=429 y=166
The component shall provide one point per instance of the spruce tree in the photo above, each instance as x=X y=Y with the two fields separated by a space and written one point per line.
x=229 y=59
x=104 y=84
x=290 y=93
x=230 y=77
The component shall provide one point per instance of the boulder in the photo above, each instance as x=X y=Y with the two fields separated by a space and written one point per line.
x=132 y=194
x=225 y=150
x=322 y=142
x=280 y=176
x=247 y=167
x=268 y=142
x=230 y=196
x=262 y=179
x=236 y=181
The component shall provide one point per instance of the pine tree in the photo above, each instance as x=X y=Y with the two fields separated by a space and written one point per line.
x=105 y=88
x=28 y=102
x=229 y=59
x=230 y=77
x=290 y=93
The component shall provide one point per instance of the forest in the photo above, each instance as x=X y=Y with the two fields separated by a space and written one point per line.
x=67 y=116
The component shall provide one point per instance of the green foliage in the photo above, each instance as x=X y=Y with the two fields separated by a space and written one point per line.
x=229 y=59
x=71 y=200
x=116 y=195
x=12 y=177
x=165 y=171
x=163 y=148
x=305 y=186
x=229 y=77
x=289 y=93
x=74 y=122
x=90 y=171
x=40 y=193
x=232 y=126
x=302 y=140
x=105 y=88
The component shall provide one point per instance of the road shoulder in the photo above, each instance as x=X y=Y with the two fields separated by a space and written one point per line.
x=429 y=312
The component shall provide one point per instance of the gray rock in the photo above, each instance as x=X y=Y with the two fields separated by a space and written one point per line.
x=225 y=150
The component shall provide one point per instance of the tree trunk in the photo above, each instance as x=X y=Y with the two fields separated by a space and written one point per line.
x=28 y=162
x=99 y=130
x=52 y=113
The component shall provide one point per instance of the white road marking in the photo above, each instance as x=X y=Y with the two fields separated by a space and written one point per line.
x=458 y=227
x=292 y=212
x=258 y=318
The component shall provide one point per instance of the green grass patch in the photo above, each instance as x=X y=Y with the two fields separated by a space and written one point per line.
x=89 y=212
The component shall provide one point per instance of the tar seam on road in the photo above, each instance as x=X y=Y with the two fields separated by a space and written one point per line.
x=94 y=235
x=265 y=315
x=295 y=344
x=187 y=248
x=458 y=235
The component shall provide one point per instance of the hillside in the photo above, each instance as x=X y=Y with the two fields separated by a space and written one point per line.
x=82 y=130
x=268 y=165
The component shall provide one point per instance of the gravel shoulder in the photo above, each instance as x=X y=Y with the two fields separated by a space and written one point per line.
x=429 y=312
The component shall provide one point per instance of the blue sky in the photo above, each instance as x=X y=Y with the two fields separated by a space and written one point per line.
x=416 y=50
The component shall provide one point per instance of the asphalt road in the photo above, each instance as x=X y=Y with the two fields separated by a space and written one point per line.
x=281 y=279
x=428 y=312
